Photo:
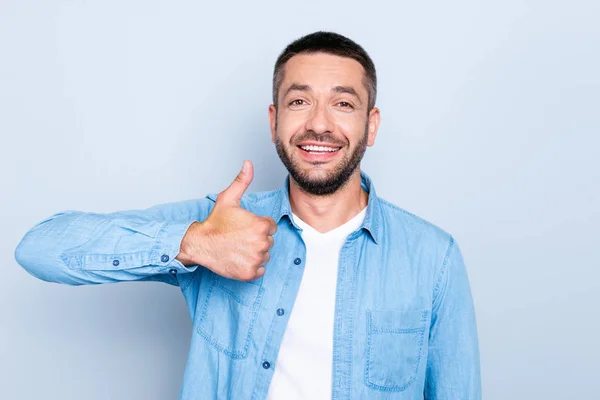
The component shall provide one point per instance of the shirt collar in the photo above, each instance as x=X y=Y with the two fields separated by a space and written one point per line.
x=372 y=218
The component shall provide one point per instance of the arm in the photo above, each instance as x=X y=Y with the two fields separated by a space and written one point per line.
x=453 y=361
x=78 y=248
x=156 y=244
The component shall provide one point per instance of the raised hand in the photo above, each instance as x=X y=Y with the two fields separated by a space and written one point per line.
x=231 y=242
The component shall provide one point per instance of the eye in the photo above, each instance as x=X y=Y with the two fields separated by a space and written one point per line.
x=297 y=102
x=345 y=104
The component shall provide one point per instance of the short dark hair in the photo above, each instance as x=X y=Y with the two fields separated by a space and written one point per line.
x=329 y=43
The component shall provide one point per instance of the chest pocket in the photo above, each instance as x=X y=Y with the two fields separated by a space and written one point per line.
x=396 y=342
x=227 y=314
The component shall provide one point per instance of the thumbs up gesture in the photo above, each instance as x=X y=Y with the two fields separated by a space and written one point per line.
x=231 y=242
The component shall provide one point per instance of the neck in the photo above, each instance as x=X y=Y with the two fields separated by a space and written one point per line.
x=325 y=213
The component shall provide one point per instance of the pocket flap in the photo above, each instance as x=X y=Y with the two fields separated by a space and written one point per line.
x=394 y=321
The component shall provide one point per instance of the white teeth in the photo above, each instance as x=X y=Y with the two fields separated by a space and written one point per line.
x=319 y=148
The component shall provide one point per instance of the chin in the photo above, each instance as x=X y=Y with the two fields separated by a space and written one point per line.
x=318 y=173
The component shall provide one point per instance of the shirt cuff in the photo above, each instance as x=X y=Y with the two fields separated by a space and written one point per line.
x=168 y=245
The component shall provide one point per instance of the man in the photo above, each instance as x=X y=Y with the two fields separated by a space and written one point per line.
x=317 y=290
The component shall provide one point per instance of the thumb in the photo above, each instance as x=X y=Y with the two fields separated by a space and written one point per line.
x=234 y=192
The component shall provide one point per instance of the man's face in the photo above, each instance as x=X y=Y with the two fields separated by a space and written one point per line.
x=321 y=127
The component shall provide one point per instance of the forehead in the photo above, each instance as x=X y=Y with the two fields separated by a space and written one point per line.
x=320 y=70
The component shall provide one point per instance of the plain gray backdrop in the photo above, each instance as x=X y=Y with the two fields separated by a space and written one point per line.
x=490 y=126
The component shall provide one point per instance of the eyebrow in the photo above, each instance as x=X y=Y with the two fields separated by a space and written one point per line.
x=345 y=89
x=336 y=89
x=297 y=87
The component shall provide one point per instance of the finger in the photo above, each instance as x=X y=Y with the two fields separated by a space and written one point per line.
x=271 y=241
x=266 y=258
x=260 y=272
x=272 y=225
x=234 y=192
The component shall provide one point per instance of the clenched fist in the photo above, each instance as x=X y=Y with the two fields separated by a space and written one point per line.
x=231 y=242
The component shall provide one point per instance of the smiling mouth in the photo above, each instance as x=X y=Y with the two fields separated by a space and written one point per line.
x=311 y=149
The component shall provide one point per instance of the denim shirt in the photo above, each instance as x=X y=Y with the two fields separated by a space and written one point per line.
x=404 y=325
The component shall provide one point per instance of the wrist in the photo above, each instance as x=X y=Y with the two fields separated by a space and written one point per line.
x=190 y=245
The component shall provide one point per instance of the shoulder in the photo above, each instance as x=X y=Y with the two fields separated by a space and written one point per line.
x=414 y=236
x=397 y=218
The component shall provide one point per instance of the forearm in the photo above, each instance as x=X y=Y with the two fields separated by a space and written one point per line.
x=85 y=248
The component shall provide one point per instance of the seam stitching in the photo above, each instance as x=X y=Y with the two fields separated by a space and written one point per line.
x=442 y=272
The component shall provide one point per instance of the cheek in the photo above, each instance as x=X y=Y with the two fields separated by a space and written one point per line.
x=289 y=124
x=353 y=128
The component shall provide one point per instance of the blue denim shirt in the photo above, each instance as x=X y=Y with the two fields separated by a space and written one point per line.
x=404 y=325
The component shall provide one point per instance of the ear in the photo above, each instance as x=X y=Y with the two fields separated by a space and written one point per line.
x=272 y=121
x=374 y=118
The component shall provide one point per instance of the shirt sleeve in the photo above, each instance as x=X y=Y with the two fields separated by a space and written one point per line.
x=77 y=248
x=453 y=370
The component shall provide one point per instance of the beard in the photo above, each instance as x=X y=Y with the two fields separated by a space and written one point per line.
x=335 y=179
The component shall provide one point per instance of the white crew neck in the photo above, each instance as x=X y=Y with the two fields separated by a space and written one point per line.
x=349 y=226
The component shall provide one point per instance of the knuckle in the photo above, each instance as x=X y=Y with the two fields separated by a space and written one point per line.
x=257 y=260
x=263 y=226
x=272 y=224
x=239 y=178
x=246 y=275
x=263 y=246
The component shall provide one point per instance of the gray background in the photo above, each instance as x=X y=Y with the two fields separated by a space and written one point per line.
x=490 y=123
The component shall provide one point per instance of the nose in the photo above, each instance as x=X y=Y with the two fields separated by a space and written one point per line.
x=319 y=120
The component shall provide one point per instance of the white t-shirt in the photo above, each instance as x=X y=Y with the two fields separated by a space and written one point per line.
x=304 y=365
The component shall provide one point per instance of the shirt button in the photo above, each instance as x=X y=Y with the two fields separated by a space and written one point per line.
x=266 y=365
x=164 y=258
x=297 y=261
x=173 y=271
x=116 y=263
x=280 y=312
